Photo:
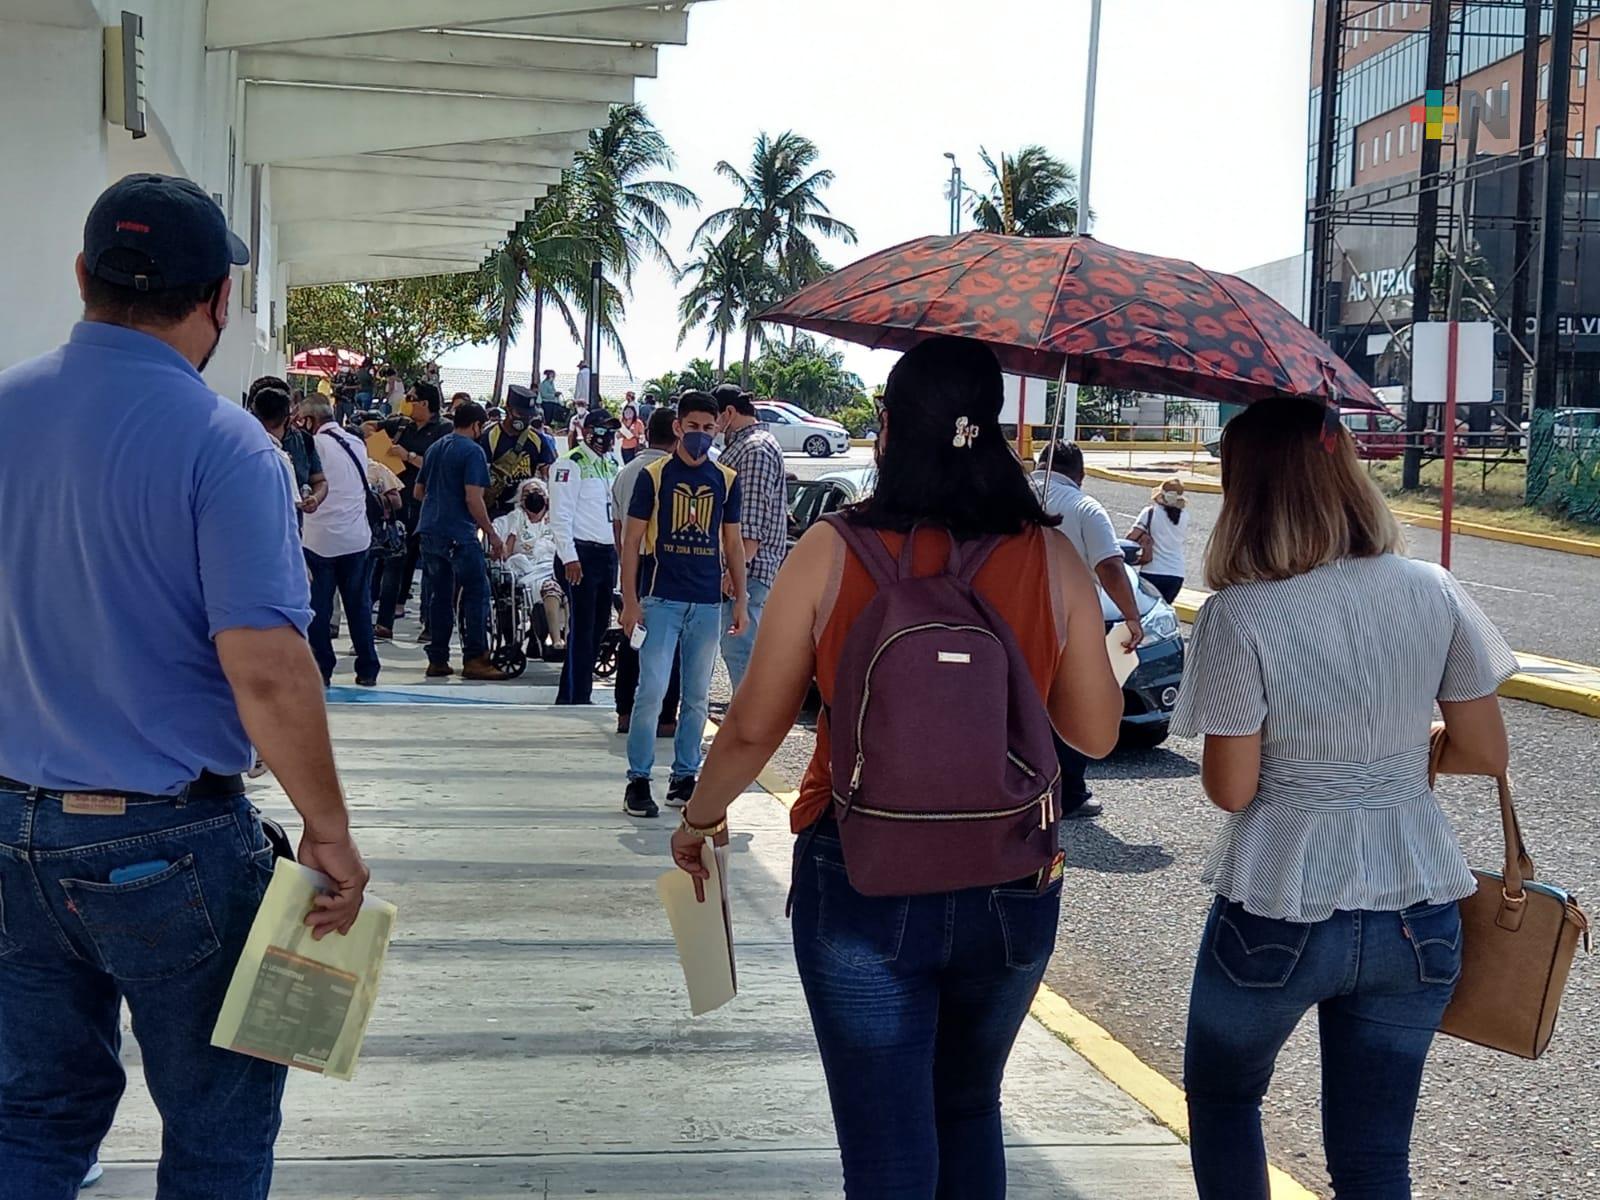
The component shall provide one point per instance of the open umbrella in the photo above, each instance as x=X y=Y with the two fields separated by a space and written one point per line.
x=1082 y=310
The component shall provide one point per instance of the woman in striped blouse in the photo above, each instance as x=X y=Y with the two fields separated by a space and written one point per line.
x=1312 y=675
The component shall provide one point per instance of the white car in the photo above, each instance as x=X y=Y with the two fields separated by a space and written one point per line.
x=798 y=432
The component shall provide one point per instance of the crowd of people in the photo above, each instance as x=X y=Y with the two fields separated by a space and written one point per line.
x=957 y=640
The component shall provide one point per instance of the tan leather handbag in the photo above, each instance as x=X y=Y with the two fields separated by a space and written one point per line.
x=1518 y=941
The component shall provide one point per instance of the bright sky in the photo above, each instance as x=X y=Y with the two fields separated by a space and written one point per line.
x=1200 y=142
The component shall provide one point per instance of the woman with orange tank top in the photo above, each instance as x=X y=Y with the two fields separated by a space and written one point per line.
x=916 y=999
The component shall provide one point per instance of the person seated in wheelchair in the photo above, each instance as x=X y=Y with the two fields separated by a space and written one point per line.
x=531 y=558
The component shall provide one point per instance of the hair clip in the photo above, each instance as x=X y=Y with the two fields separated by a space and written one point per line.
x=966 y=434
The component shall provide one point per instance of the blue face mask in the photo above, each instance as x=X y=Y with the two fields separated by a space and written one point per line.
x=697 y=445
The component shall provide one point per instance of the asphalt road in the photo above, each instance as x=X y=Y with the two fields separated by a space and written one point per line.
x=1489 y=1126
x=1543 y=600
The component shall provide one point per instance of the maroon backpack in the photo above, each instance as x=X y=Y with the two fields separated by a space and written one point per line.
x=945 y=773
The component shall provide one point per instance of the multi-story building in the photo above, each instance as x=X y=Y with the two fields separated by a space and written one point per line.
x=1369 y=239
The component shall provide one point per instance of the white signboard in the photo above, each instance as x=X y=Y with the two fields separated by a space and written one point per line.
x=1430 y=361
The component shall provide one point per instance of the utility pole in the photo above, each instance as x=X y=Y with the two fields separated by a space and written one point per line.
x=1427 y=232
x=1086 y=171
x=955 y=194
x=592 y=332
x=1320 y=316
x=1522 y=253
x=1541 y=434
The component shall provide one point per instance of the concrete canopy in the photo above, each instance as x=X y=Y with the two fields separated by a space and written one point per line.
x=406 y=137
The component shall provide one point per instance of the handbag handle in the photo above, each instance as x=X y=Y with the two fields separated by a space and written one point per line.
x=1519 y=867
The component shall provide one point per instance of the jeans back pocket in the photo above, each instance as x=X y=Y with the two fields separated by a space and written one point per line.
x=150 y=928
x=9 y=872
x=1028 y=923
x=1434 y=931
x=1256 y=952
x=862 y=931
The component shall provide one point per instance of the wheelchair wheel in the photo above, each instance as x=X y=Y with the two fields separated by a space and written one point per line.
x=513 y=660
x=605 y=663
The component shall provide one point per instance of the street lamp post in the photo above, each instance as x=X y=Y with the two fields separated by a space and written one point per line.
x=955 y=194
x=1067 y=429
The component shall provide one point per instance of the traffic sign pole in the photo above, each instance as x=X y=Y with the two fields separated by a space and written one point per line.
x=1448 y=500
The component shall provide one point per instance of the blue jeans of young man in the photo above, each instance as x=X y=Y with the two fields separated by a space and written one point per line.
x=589 y=603
x=449 y=564
x=1380 y=982
x=916 y=1002
x=687 y=632
x=351 y=576
x=736 y=651
x=74 y=946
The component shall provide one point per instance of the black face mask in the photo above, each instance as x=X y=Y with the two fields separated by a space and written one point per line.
x=219 y=326
x=534 y=505
x=601 y=441
x=517 y=425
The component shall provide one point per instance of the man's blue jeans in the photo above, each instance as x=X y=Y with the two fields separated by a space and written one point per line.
x=73 y=946
x=351 y=576
x=916 y=1002
x=671 y=625
x=736 y=651
x=1380 y=982
x=449 y=564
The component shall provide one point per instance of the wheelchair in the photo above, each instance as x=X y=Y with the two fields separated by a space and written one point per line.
x=605 y=662
x=510 y=622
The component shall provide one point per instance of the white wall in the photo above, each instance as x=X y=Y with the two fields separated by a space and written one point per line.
x=50 y=96
x=61 y=155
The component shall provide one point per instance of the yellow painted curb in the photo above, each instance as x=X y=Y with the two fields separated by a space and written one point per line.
x=1491 y=533
x=1163 y=1098
x=1535 y=689
x=1203 y=486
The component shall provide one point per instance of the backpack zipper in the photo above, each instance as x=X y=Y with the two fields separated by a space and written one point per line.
x=1043 y=803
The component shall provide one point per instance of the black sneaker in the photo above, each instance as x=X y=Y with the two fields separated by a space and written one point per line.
x=637 y=801
x=679 y=791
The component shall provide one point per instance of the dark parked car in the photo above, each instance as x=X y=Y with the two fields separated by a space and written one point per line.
x=1151 y=691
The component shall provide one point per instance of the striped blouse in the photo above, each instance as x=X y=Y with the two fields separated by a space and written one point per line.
x=1338 y=669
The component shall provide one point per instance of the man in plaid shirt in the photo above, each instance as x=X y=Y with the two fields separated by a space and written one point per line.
x=755 y=454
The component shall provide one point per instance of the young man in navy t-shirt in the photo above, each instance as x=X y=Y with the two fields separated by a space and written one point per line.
x=682 y=534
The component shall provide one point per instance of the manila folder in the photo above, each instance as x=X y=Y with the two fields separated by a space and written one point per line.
x=703 y=934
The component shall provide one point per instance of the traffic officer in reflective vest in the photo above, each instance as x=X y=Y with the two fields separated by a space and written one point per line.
x=587 y=533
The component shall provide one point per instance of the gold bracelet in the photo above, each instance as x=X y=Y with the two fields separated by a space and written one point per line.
x=710 y=831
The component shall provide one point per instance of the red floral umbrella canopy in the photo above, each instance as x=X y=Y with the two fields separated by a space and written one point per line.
x=1107 y=316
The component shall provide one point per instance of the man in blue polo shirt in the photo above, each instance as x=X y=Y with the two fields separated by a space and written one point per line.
x=683 y=525
x=154 y=629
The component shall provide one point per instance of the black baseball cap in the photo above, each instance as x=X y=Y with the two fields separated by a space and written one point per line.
x=158 y=232
x=600 y=419
x=520 y=399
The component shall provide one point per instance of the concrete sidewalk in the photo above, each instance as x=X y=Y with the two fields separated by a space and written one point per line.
x=533 y=1037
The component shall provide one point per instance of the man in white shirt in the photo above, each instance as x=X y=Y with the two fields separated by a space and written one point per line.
x=338 y=538
x=586 y=532
x=1088 y=527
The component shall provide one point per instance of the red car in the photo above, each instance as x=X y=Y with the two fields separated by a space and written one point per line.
x=1378 y=435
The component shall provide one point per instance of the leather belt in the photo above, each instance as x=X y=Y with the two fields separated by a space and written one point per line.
x=207 y=787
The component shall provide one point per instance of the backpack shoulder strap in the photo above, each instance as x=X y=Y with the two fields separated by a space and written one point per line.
x=869 y=548
x=966 y=561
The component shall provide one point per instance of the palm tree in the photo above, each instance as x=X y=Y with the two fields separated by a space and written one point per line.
x=622 y=208
x=542 y=259
x=715 y=298
x=1031 y=194
x=780 y=208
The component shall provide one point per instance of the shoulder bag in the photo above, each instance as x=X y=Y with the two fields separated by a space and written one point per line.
x=1518 y=939
x=1142 y=534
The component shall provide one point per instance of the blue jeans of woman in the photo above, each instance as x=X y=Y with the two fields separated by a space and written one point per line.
x=916 y=1002
x=74 y=947
x=1380 y=981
